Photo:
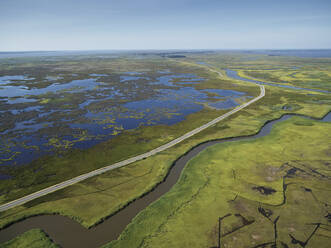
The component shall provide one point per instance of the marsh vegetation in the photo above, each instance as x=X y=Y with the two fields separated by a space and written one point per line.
x=237 y=189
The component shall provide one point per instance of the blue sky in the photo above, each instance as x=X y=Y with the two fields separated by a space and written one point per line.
x=167 y=24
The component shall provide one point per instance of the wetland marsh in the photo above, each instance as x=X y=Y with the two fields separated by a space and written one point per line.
x=94 y=107
x=236 y=199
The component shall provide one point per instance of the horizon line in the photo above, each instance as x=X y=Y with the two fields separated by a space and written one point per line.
x=165 y=49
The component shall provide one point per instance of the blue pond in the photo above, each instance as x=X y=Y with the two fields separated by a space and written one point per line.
x=228 y=103
x=21 y=91
x=8 y=79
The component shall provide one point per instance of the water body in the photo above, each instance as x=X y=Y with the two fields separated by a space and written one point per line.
x=69 y=233
x=7 y=79
x=228 y=103
x=304 y=53
x=75 y=86
x=131 y=78
x=234 y=75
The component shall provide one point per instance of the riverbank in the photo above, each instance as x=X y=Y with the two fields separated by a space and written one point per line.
x=244 y=187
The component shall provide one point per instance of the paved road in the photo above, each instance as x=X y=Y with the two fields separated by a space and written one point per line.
x=218 y=72
x=80 y=178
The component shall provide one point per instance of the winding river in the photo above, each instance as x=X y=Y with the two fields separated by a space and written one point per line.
x=69 y=233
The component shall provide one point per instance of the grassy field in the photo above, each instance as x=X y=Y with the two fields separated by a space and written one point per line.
x=34 y=238
x=264 y=191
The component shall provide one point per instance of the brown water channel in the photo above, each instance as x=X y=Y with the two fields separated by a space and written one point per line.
x=69 y=233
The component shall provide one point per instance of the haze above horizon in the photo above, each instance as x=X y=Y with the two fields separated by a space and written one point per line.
x=38 y=25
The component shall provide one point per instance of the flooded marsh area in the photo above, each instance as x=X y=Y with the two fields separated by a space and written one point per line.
x=49 y=105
